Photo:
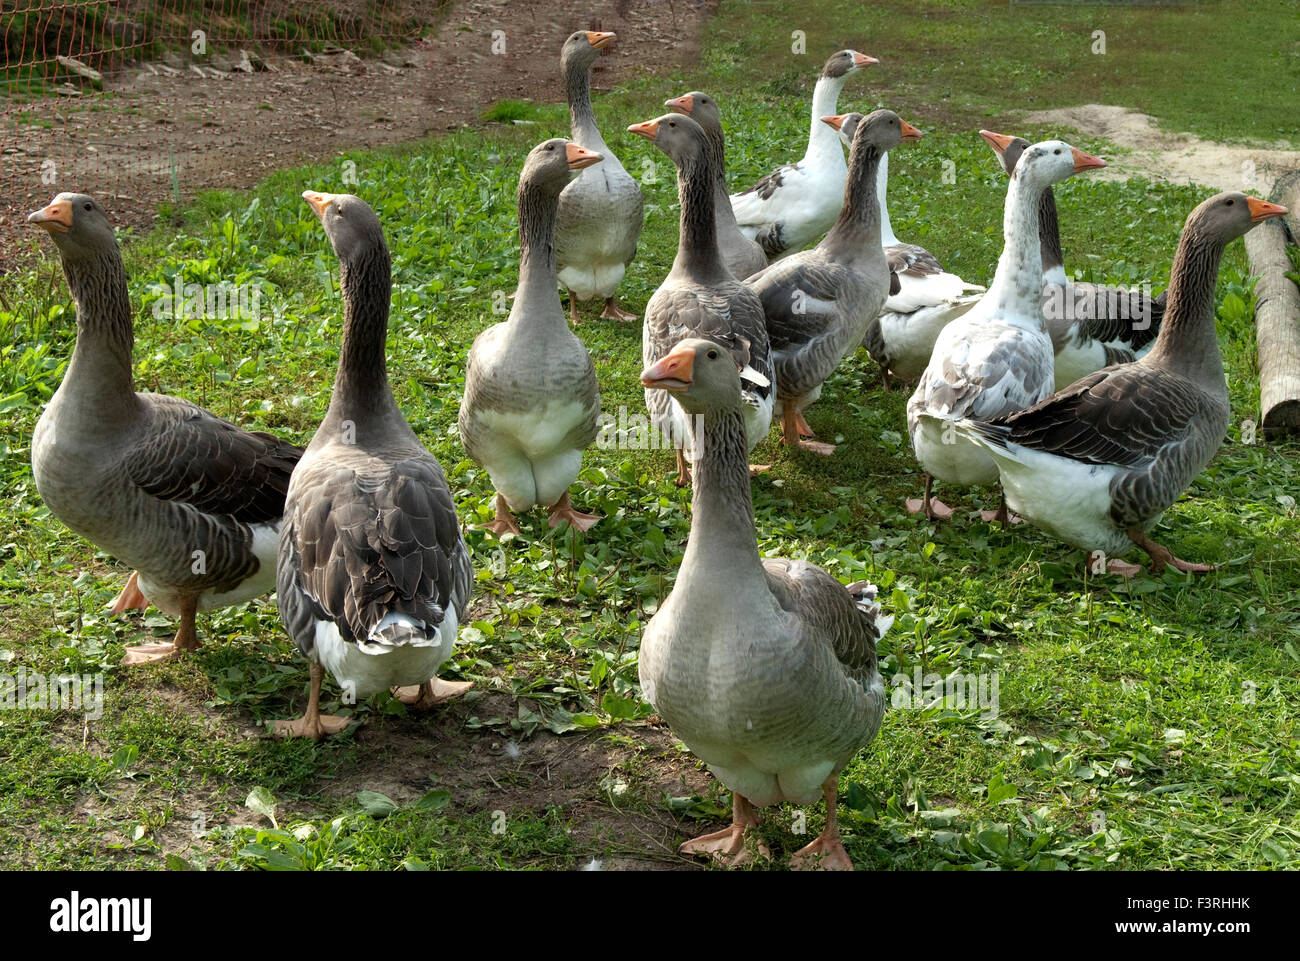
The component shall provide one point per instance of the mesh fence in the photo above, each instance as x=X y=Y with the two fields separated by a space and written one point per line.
x=82 y=83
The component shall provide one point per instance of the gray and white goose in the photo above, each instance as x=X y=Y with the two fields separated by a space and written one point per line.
x=374 y=574
x=996 y=358
x=796 y=203
x=923 y=297
x=819 y=302
x=700 y=297
x=766 y=668
x=742 y=255
x=531 y=401
x=1099 y=462
x=1091 y=326
x=189 y=500
x=601 y=211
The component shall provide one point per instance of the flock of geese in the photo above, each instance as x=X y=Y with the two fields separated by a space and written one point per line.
x=1094 y=409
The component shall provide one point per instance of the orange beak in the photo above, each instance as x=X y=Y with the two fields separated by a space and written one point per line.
x=676 y=371
x=647 y=129
x=909 y=132
x=998 y=141
x=1084 y=161
x=836 y=122
x=599 y=39
x=683 y=104
x=861 y=59
x=319 y=201
x=1261 y=210
x=579 y=157
x=55 y=217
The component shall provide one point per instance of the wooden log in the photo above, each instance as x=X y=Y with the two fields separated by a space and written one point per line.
x=95 y=78
x=1287 y=193
x=1277 y=329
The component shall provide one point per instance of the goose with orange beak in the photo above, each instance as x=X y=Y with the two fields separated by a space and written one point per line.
x=601 y=211
x=997 y=358
x=1099 y=462
x=531 y=401
x=766 y=668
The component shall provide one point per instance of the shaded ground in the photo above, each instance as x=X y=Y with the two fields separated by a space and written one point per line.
x=153 y=137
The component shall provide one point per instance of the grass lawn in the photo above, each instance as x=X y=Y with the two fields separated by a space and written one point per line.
x=1143 y=724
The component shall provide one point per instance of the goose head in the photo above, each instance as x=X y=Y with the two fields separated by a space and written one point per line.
x=677 y=135
x=699 y=106
x=882 y=129
x=582 y=48
x=1008 y=148
x=1227 y=216
x=845 y=124
x=350 y=224
x=843 y=63
x=77 y=223
x=701 y=374
x=1052 y=161
x=551 y=163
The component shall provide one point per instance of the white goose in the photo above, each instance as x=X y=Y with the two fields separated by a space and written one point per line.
x=923 y=297
x=997 y=358
x=1099 y=462
x=796 y=203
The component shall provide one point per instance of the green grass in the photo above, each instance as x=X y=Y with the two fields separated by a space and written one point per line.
x=1148 y=724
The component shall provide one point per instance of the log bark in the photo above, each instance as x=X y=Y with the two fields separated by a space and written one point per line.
x=1287 y=193
x=1277 y=329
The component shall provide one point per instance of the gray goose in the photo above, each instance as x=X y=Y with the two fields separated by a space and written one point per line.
x=742 y=255
x=700 y=297
x=796 y=203
x=1100 y=461
x=765 y=667
x=531 y=401
x=374 y=574
x=601 y=211
x=189 y=500
x=819 y=302
x=1091 y=326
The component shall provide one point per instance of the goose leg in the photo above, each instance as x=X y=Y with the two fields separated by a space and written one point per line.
x=573 y=310
x=884 y=378
x=1160 y=556
x=504 y=523
x=827 y=852
x=185 y=641
x=563 y=510
x=431 y=693
x=728 y=845
x=805 y=430
x=933 y=508
x=130 y=598
x=614 y=312
x=790 y=433
x=1002 y=515
x=683 y=470
x=312 y=724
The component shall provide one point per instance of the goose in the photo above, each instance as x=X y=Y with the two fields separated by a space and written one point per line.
x=700 y=297
x=742 y=255
x=796 y=203
x=531 y=401
x=601 y=210
x=1091 y=326
x=927 y=297
x=1099 y=462
x=374 y=575
x=189 y=500
x=765 y=668
x=819 y=302
x=997 y=357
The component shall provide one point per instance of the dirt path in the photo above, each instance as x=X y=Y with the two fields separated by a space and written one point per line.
x=156 y=134
x=1176 y=157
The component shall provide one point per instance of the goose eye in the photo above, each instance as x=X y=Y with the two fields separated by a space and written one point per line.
x=713 y=355
x=1057 y=151
x=1228 y=202
x=88 y=205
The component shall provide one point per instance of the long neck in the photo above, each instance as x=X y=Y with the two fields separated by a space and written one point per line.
x=538 y=285
x=697 y=246
x=887 y=238
x=1187 y=342
x=582 y=121
x=101 y=361
x=1017 y=285
x=1049 y=235
x=722 y=541
x=858 y=225
x=823 y=142
x=723 y=215
x=361 y=384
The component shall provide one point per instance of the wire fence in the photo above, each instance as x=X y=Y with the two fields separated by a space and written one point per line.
x=82 y=83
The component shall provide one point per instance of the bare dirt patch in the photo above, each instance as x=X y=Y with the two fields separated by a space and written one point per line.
x=1180 y=158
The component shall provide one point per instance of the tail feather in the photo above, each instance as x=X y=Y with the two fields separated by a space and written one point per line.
x=864 y=596
x=399 y=630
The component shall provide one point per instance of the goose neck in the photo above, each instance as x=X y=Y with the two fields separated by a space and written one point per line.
x=823 y=142
x=101 y=360
x=538 y=283
x=1188 y=342
x=723 y=542
x=1049 y=233
x=697 y=248
x=1017 y=285
x=361 y=385
x=582 y=119
x=858 y=225
x=887 y=238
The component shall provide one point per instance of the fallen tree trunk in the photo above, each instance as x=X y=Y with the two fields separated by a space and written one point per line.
x=1277 y=329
